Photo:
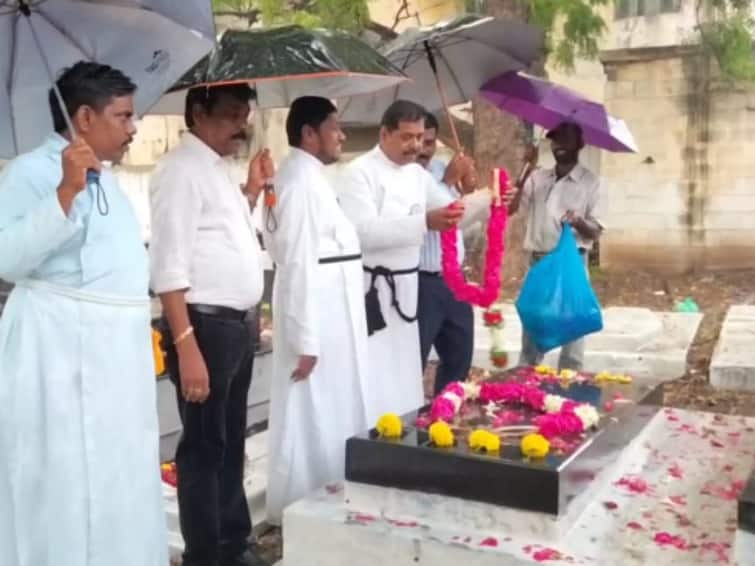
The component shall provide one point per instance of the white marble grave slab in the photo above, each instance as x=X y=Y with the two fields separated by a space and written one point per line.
x=733 y=363
x=644 y=343
x=684 y=493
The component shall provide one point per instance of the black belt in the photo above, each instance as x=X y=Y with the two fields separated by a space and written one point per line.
x=375 y=320
x=340 y=258
x=219 y=312
x=430 y=273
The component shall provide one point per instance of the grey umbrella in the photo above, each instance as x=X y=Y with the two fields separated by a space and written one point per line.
x=152 y=41
x=448 y=63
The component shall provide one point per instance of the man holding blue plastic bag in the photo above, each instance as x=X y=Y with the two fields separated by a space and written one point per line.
x=557 y=305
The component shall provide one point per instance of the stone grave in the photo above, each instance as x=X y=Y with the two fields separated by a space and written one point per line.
x=649 y=486
x=733 y=363
x=646 y=344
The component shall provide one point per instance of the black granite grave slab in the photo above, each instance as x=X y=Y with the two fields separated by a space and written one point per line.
x=507 y=479
x=746 y=507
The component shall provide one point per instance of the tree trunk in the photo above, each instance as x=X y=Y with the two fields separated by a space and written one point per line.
x=500 y=140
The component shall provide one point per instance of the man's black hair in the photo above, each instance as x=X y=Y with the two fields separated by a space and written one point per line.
x=564 y=127
x=402 y=111
x=207 y=97
x=87 y=84
x=309 y=111
x=431 y=122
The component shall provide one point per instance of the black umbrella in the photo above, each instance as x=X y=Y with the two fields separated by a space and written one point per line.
x=287 y=62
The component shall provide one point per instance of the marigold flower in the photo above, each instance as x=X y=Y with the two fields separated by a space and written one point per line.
x=441 y=434
x=545 y=370
x=389 y=426
x=535 y=446
x=484 y=440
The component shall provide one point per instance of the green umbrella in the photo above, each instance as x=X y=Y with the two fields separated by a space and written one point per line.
x=284 y=63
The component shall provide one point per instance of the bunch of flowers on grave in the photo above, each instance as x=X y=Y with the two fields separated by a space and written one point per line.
x=502 y=406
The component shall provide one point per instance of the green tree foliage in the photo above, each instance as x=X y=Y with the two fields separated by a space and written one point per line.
x=573 y=28
x=349 y=15
x=726 y=30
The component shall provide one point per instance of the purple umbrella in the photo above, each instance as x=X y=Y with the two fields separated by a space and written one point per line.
x=546 y=104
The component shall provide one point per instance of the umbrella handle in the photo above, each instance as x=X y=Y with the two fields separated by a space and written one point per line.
x=442 y=92
x=26 y=12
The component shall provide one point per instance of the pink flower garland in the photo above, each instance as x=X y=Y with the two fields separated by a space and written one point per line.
x=487 y=294
x=566 y=421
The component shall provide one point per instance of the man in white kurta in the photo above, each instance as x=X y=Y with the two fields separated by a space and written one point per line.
x=320 y=332
x=385 y=194
x=79 y=468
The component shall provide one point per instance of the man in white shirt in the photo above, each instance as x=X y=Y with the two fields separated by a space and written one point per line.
x=206 y=268
x=569 y=192
x=320 y=333
x=389 y=198
x=444 y=322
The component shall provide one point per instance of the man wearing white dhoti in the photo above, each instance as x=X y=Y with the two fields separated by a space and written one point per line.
x=320 y=353
x=79 y=472
x=385 y=194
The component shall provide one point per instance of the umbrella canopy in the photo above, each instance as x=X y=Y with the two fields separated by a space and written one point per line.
x=463 y=54
x=546 y=104
x=287 y=62
x=153 y=41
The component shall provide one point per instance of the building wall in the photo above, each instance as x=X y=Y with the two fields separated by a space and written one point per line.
x=686 y=201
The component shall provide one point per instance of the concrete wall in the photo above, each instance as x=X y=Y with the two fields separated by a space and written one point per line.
x=687 y=200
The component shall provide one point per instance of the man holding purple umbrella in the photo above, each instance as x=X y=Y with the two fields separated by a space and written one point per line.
x=568 y=192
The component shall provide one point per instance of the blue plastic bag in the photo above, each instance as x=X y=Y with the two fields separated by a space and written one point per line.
x=557 y=304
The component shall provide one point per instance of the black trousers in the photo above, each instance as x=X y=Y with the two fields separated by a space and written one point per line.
x=448 y=325
x=213 y=511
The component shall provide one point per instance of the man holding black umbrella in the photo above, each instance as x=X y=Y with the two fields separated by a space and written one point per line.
x=206 y=268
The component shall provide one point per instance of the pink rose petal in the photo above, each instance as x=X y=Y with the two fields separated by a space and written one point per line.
x=666 y=539
x=634 y=484
x=678 y=499
x=676 y=471
x=610 y=505
x=490 y=541
x=635 y=526
x=546 y=554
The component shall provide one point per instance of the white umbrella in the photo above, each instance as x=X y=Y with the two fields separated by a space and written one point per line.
x=152 y=41
x=448 y=63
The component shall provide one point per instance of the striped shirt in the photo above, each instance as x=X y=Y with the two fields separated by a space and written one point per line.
x=430 y=255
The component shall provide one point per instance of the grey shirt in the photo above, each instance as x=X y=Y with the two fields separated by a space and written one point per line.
x=545 y=200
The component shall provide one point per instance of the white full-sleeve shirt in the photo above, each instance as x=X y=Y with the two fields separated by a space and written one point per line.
x=203 y=236
x=387 y=203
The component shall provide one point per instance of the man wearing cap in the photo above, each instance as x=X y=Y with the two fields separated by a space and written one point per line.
x=568 y=192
